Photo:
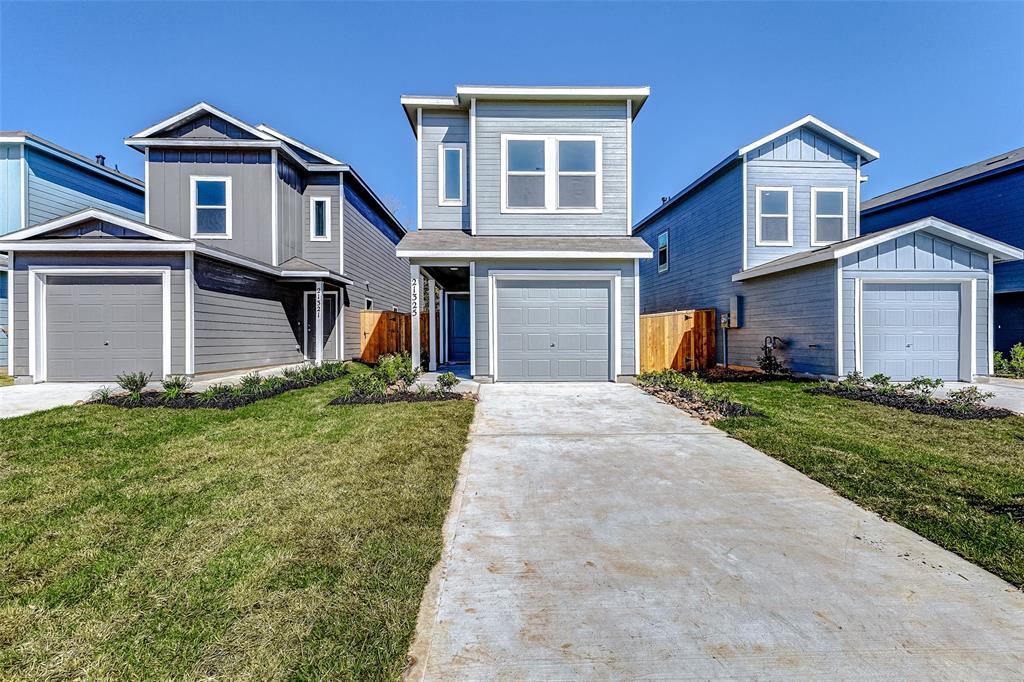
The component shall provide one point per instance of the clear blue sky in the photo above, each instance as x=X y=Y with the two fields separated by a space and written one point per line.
x=931 y=86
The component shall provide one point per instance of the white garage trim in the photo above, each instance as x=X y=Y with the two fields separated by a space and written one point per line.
x=839 y=322
x=11 y=276
x=37 y=310
x=615 y=319
x=190 y=304
x=968 y=317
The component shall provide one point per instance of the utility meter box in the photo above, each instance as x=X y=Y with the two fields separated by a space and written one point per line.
x=731 y=320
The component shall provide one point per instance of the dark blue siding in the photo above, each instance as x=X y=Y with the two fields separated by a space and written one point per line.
x=370 y=213
x=57 y=187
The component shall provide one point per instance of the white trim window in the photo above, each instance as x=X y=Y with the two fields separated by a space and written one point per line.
x=210 y=207
x=320 y=219
x=663 y=252
x=551 y=174
x=368 y=304
x=774 y=216
x=828 y=215
x=451 y=174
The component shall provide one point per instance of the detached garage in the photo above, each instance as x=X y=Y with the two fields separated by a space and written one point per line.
x=913 y=300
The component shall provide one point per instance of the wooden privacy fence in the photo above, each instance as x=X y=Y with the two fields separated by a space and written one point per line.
x=683 y=339
x=383 y=331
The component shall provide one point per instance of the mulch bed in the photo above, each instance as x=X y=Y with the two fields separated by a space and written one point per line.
x=399 y=397
x=706 y=411
x=226 y=401
x=716 y=375
x=939 y=408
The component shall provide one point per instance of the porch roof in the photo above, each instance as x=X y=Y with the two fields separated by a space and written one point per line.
x=459 y=244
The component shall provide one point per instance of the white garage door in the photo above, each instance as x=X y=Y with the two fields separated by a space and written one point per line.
x=911 y=330
x=553 y=331
x=100 y=326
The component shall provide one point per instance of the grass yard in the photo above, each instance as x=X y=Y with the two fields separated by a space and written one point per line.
x=957 y=483
x=286 y=539
x=6 y=380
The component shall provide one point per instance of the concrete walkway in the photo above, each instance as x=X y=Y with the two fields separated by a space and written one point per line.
x=597 y=533
x=27 y=398
x=1009 y=393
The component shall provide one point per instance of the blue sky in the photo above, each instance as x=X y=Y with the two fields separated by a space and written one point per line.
x=932 y=86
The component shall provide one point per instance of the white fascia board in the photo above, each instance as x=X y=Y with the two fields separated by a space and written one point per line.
x=195 y=142
x=428 y=101
x=867 y=152
x=116 y=245
x=195 y=109
x=592 y=92
x=954 y=232
x=295 y=143
x=133 y=183
x=92 y=214
x=628 y=255
x=768 y=269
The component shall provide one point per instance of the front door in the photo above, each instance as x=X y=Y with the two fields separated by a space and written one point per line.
x=330 y=322
x=458 y=328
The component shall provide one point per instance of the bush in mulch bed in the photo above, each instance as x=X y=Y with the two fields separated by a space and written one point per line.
x=717 y=375
x=253 y=387
x=693 y=394
x=399 y=397
x=391 y=381
x=915 y=396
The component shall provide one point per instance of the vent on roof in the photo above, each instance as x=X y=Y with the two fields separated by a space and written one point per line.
x=664 y=200
x=999 y=160
x=101 y=160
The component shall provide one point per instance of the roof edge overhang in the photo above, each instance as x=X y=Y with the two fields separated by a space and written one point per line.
x=32 y=140
x=87 y=214
x=867 y=153
x=515 y=254
x=326 y=158
x=195 y=110
x=879 y=203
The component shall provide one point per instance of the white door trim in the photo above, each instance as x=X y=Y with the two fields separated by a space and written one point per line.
x=37 y=309
x=305 y=321
x=613 y=277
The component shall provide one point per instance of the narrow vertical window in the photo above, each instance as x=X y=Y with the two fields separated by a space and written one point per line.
x=577 y=174
x=320 y=219
x=828 y=210
x=368 y=304
x=774 y=216
x=451 y=158
x=525 y=166
x=211 y=207
x=663 y=252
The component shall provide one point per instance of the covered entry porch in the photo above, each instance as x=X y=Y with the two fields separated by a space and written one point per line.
x=441 y=289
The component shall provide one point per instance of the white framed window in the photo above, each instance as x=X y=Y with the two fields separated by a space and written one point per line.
x=451 y=174
x=210 y=206
x=394 y=308
x=368 y=304
x=828 y=215
x=551 y=174
x=774 y=209
x=663 y=252
x=320 y=219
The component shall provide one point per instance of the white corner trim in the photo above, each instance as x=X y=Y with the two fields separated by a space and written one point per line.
x=24 y=185
x=472 y=165
x=636 y=316
x=814 y=215
x=442 y=175
x=758 y=241
x=193 y=206
x=973 y=289
x=341 y=224
x=629 y=167
x=551 y=174
x=11 y=276
x=746 y=210
x=991 y=315
x=190 y=306
x=858 y=336
x=312 y=225
x=145 y=192
x=472 y=318
x=856 y=207
x=419 y=169
x=274 y=254
x=840 y=341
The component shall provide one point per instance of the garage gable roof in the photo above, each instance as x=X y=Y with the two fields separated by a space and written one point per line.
x=1000 y=251
x=87 y=215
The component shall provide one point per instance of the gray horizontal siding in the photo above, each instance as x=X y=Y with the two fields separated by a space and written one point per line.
x=289 y=212
x=627 y=311
x=57 y=188
x=440 y=127
x=3 y=322
x=606 y=119
x=327 y=253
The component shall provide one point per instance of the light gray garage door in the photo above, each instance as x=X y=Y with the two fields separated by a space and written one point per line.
x=911 y=330
x=553 y=331
x=100 y=326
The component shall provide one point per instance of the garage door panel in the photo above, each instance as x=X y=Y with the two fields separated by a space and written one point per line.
x=911 y=329
x=563 y=326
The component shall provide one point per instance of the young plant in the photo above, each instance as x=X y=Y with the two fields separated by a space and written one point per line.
x=854 y=380
x=369 y=385
x=422 y=389
x=214 y=393
x=102 y=394
x=175 y=386
x=968 y=398
x=133 y=383
x=923 y=387
x=768 y=362
x=1012 y=366
x=251 y=384
x=446 y=382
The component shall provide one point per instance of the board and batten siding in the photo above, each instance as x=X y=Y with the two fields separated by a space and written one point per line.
x=243 y=319
x=250 y=172
x=919 y=255
x=607 y=119
x=174 y=261
x=10 y=187
x=289 y=211
x=480 y=316
x=441 y=127
x=57 y=188
x=705 y=250
x=370 y=261
x=326 y=253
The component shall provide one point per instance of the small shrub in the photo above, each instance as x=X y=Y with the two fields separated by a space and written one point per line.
x=854 y=380
x=175 y=386
x=923 y=387
x=102 y=394
x=251 y=384
x=422 y=389
x=397 y=367
x=133 y=383
x=968 y=398
x=214 y=393
x=369 y=385
x=878 y=380
x=271 y=384
x=1012 y=366
x=293 y=372
x=446 y=382
x=768 y=362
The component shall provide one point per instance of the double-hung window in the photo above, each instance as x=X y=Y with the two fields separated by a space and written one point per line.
x=211 y=207
x=320 y=219
x=828 y=215
x=451 y=174
x=551 y=173
x=774 y=207
x=663 y=252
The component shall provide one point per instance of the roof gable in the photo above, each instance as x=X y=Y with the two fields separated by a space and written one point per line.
x=803 y=144
x=204 y=121
x=92 y=223
x=818 y=128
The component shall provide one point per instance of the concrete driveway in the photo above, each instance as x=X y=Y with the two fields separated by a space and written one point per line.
x=597 y=533
x=1007 y=393
x=26 y=398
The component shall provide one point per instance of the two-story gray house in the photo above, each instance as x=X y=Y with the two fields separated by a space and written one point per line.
x=525 y=230
x=770 y=237
x=254 y=250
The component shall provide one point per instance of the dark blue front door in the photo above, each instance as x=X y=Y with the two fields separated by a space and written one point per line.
x=458 y=328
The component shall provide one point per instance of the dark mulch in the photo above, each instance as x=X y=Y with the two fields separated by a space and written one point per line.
x=939 y=408
x=705 y=408
x=225 y=401
x=399 y=397
x=717 y=375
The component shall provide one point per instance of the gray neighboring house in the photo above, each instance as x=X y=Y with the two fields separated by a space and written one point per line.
x=524 y=232
x=254 y=250
x=771 y=238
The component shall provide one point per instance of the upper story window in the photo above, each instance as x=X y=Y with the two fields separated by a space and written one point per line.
x=320 y=219
x=551 y=173
x=211 y=207
x=663 y=252
x=828 y=215
x=451 y=173
x=774 y=216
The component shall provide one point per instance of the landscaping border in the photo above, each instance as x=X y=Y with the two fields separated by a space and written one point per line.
x=935 y=407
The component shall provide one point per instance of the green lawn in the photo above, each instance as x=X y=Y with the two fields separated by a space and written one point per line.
x=6 y=380
x=288 y=538
x=957 y=483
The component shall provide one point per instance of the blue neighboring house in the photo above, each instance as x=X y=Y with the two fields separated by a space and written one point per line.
x=40 y=181
x=987 y=197
x=771 y=238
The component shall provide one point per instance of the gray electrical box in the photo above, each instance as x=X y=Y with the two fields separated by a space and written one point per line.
x=732 y=319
